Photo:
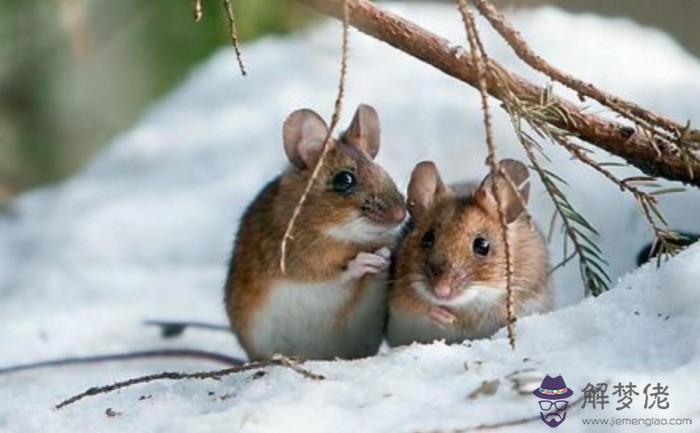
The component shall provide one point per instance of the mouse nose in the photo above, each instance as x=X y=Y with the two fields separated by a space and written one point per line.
x=442 y=289
x=398 y=214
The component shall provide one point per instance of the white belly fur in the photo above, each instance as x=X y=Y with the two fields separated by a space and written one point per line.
x=481 y=301
x=300 y=319
x=408 y=328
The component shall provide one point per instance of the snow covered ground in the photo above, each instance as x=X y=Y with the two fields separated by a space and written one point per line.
x=145 y=232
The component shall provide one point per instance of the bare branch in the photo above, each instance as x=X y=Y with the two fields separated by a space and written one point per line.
x=653 y=155
x=628 y=109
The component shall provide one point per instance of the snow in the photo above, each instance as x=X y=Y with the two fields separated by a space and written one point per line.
x=145 y=232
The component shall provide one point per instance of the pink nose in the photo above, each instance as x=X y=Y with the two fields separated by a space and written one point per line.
x=398 y=214
x=443 y=290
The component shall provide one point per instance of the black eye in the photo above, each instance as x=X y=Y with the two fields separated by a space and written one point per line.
x=344 y=182
x=428 y=239
x=481 y=246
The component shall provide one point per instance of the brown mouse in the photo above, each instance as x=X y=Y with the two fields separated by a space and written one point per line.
x=332 y=300
x=449 y=277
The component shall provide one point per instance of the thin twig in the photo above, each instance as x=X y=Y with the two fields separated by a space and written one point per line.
x=646 y=201
x=234 y=35
x=481 y=59
x=550 y=230
x=172 y=375
x=337 y=108
x=562 y=263
x=627 y=109
x=197 y=10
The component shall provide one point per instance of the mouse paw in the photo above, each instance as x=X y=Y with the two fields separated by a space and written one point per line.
x=442 y=316
x=367 y=263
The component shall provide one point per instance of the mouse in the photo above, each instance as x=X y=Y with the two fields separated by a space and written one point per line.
x=449 y=277
x=331 y=301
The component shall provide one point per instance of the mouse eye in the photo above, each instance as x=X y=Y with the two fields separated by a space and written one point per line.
x=428 y=240
x=481 y=246
x=344 y=182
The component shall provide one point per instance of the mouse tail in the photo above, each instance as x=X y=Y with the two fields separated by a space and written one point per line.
x=128 y=356
x=174 y=328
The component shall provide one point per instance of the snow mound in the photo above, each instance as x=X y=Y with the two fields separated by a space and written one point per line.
x=145 y=232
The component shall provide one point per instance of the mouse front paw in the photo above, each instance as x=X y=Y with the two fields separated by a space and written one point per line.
x=442 y=317
x=367 y=263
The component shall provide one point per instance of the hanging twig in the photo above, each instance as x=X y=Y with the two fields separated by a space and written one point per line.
x=337 y=108
x=171 y=375
x=481 y=59
x=233 y=29
x=197 y=10
x=198 y=13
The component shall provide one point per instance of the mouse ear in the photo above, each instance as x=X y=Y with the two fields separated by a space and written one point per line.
x=424 y=189
x=364 y=130
x=519 y=178
x=303 y=134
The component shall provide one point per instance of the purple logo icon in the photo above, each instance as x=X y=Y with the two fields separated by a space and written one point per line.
x=553 y=394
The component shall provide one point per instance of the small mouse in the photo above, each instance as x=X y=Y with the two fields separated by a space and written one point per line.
x=331 y=302
x=449 y=279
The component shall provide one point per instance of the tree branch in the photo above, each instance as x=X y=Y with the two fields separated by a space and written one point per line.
x=654 y=155
x=630 y=110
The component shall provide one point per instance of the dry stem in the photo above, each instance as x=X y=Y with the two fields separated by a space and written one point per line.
x=198 y=13
x=479 y=54
x=197 y=10
x=234 y=35
x=172 y=375
x=326 y=144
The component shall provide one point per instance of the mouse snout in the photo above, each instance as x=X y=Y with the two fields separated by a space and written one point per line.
x=442 y=289
x=397 y=214
x=444 y=281
x=383 y=211
x=439 y=282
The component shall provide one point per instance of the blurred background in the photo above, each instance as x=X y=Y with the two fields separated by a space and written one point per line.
x=73 y=73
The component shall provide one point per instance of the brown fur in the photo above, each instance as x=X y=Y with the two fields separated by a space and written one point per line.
x=457 y=218
x=312 y=255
